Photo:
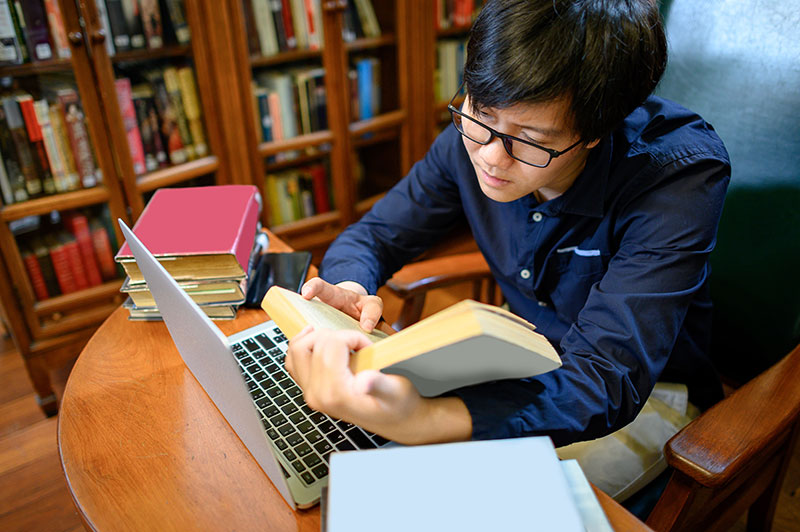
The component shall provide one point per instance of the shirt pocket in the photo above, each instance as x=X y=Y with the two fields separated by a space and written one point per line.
x=571 y=272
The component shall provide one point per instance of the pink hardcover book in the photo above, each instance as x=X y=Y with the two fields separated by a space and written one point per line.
x=198 y=232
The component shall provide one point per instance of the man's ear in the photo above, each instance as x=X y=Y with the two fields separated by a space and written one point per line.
x=592 y=144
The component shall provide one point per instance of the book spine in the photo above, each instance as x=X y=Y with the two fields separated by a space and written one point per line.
x=123 y=88
x=5 y=183
x=103 y=250
x=313 y=35
x=10 y=49
x=73 y=254
x=319 y=188
x=46 y=266
x=57 y=165
x=265 y=27
x=188 y=89
x=78 y=225
x=169 y=125
x=106 y=25
x=178 y=19
x=173 y=90
x=36 y=139
x=78 y=136
x=247 y=232
x=364 y=70
x=62 y=269
x=62 y=144
x=37 y=35
x=301 y=82
x=151 y=20
x=16 y=126
x=299 y=21
x=19 y=28
x=288 y=24
x=11 y=167
x=265 y=122
x=148 y=135
x=35 y=275
x=271 y=182
x=59 y=34
x=253 y=43
x=133 y=18
x=277 y=19
x=119 y=25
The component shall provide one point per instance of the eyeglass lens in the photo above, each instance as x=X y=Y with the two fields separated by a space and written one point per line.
x=519 y=150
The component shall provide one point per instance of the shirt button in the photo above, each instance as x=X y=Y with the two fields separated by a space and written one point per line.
x=525 y=274
x=542 y=304
x=537 y=217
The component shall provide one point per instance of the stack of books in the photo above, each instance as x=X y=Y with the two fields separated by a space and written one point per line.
x=205 y=238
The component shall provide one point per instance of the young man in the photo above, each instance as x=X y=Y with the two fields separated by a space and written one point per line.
x=596 y=206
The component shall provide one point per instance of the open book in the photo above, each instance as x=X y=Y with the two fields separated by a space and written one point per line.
x=467 y=343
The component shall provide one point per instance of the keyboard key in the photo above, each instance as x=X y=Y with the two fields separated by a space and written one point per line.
x=295 y=392
x=246 y=361
x=278 y=420
x=286 y=383
x=280 y=400
x=286 y=429
x=305 y=426
x=360 y=439
x=307 y=477
x=290 y=455
x=253 y=368
x=307 y=409
x=302 y=449
x=271 y=410
x=318 y=417
x=250 y=344
x=327 y=457
x=257 y=394
x=290 y=408
x=345 y=445
x=344 y=425
x=277 y=330
x=260 y=376
x=294 y=439
x=279 y=358
x=252 y=385
x=273 y=434
x=271 y=368
x=264 y=340
x=325 y=427
x=275 y=391
x=336 y=436
x=280 y=444
x=320 y=471
x=297 y=417
x=298 y=466
x=264 y=402
x=312 y=459
x=313 y=436
x=280 y=375
x=265 y=422
x=323 y=446
x=298 y=399
x=379 y=440
x=280 y=338
x=275 y=352
x=260 y=355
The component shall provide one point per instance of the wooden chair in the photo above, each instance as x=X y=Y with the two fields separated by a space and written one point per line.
x=736 y=64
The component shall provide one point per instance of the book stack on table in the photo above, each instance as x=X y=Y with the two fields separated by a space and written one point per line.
x=205 y=238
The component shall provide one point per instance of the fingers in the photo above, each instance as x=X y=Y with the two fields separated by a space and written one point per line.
x=313 y=287
x=371 y=311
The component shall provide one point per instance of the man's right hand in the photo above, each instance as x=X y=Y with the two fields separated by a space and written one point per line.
x=349 y=297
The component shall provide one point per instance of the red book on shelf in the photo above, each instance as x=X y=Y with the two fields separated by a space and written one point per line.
x=319 y=187
x=61 y=266
x=198 y=232
x=288 y=24
x=78 y=225
x=73 y=253
x=36 y=138
x=102 y=250
x=35 y=274
x=128 y=112
x=78 y=135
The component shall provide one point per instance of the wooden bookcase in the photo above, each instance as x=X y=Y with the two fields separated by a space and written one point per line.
x=364 y=158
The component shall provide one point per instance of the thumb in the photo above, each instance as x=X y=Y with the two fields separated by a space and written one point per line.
x=379 y=385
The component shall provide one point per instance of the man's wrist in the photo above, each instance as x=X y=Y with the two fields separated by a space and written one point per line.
x=437 y=420
x=353 y=287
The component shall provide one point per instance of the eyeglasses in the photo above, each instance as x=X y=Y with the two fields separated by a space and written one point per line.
x=523 y=151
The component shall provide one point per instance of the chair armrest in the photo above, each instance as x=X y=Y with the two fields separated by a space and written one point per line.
x=419 y=277
x=757 y=418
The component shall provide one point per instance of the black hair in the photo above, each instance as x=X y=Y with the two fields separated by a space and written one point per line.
x=605 y=56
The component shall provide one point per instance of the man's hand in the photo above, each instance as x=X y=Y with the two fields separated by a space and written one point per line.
x=349 y=297
x=388 y=405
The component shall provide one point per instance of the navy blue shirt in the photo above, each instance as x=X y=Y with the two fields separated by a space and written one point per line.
x=614 y=272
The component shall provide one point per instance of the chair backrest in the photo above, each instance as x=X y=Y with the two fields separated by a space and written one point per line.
x=737 y=64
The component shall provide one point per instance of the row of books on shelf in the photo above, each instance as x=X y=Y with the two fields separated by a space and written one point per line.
x=68 y=253
x=450 y=57
x=163 y=118
x=44 y=145
x=298 y=193
x=450 y=14
x=212 y=269
x=33 y=30
x=291 y=103
x=275 y=26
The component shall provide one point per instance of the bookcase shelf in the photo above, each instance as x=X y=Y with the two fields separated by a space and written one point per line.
x=177 y=174
x=265 y=149
x=300 y=160
x=57 y=202
x=383 y=121
x=453 y=32
x=36 y=68
x=293 y=56
x=62 y=303
x=369 y=139
x=150 y=54
x=359 y=45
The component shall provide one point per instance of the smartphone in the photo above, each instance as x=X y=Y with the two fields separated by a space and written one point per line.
x=287 y=270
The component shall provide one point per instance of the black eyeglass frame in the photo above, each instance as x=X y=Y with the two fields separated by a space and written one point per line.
x=504 y=138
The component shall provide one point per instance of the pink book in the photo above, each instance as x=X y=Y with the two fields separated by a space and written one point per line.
x=198 y=232
x=128 y=112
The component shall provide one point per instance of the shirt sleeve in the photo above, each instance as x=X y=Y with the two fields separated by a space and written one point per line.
x=615 y=351
x=414 y=214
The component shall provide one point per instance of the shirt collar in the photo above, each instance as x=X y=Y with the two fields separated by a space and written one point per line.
x=586 y=196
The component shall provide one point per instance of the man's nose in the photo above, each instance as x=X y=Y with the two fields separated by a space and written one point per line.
x=494 y=154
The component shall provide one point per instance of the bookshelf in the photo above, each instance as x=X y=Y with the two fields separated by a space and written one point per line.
x=359 y=150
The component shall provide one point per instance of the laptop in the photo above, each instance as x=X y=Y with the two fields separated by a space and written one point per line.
x=244 y=376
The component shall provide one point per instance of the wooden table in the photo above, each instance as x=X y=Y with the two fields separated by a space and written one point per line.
x=144 y=448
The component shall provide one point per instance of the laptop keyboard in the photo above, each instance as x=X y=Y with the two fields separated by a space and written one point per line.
x=304 y=436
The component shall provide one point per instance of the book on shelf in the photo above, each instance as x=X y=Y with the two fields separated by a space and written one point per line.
x=170 y=79
x=12 y=178
x=288 y=24
x=123 y=90
x=151 y=21
x=464 y=344
x=297 y=193
x=215 y=312
x=191 y=103
x=450 y=55
x=64 y=178
x=177 y=20
x=34 y=271
x=119 y=25
x=366 y=15
x=263 y=118
x=351 y=24
x=57 y=29
x=197 y=232
x=265 y=27
x=78 y=135
x=455 y=13
x=168 y=116
x=105 y=24
x=42 y=254
x=203 y=292
x=62 y=145
x=103 y=249
x=133 y=19
x=368 y=87
x=36 y=140
x=155 y=154
x=11 y=49
x=37 y=34
x=22 y=148
x=78 y=226
x=502 y=484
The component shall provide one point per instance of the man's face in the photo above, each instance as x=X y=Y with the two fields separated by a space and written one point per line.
x=503 y=178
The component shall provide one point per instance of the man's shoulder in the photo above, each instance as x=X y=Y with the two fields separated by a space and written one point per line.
x=667 y=132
